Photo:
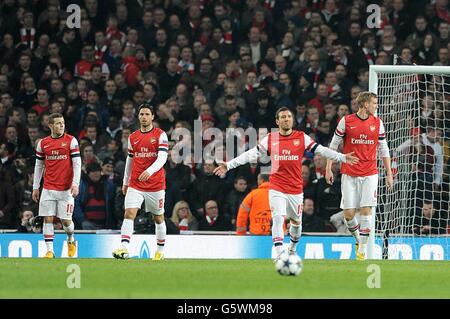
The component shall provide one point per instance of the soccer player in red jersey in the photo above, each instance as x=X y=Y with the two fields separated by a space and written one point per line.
x=286 y=148
x=362 y=133
x=59 y=154
x=144 y=180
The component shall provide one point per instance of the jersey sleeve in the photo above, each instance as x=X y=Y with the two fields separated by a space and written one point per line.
x=76 y=161
x=338 y=136
x=163 y=151
x=340 y=129
x=250 y=156
x=39 y=166
x=310 y=144
x=163 y=143
x=263 y=145
x=130 y=148
x=382 y=132
x=74 y=148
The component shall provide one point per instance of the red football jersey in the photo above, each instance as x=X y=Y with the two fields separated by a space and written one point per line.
x=361 y=136
x=143 y=148
x=57 y=154
x=286 y=153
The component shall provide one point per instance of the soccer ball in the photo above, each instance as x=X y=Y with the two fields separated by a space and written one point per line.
x=289 y=264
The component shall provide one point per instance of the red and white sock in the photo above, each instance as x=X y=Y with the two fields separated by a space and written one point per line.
x=160 y=230
x=49 y=235
x=69 y=231
x=353 y=227
x=364 y=231
x=295 y=231
x=278 y=233
x=126 y=231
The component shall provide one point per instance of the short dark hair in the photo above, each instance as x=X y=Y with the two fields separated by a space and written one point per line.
x=10 y=147
x=282 y=109
x=238 y=178
x=229 y=97
x=53 y=116
x=146 y=106
x=264 y=177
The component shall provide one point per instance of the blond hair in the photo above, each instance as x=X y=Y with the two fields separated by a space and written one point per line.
x=364 y=97
x=175 y=217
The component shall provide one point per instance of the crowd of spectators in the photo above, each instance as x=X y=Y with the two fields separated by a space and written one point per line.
x=229 y=64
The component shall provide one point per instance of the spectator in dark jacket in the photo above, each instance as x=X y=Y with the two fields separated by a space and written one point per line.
x=234 y=200
x=94 y=205
x=206 y=187
x=213 y=220
x=310 y=221
x=263 y=113
x=7 y=204
x=178 y=179
x=427 y=220
x=328 y=197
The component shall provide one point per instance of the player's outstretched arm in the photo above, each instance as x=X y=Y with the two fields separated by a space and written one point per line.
x=251 y=156
x=221 y=170
x=348 y=158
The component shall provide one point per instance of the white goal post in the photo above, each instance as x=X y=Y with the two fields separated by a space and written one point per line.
x=401 y=91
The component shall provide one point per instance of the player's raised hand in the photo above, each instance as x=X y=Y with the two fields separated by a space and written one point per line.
x=351 y=159
x=74 y=190
x=221 y=170
x=124 y=189
x=329 y=177
x=389 y=182
x=35 y=195
x=144 y=176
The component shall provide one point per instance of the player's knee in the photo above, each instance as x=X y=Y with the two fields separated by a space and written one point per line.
x=48 y=219
x=365 y=211
x=296 y=222
x=66 y=222
x=130 y=213
x=277 y=220
x=349 y=214
x=159 y=219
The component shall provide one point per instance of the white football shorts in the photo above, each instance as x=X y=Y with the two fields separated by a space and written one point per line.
x=56 y=203
x=290 y=205
x=359 y=192
x=154 y=201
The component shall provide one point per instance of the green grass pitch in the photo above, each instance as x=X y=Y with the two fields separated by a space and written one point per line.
x=184 y=278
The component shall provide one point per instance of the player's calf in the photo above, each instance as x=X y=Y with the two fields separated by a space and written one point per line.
x=295 y=231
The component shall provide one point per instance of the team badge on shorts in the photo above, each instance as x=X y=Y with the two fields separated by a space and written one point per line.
x=296 y=142
x=372 y=128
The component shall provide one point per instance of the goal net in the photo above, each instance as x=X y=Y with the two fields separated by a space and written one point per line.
x=412 y=221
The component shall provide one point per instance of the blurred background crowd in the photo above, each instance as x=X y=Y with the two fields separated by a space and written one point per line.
x=229 y=64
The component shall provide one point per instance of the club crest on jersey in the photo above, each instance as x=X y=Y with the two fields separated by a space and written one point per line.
x=296 y=142
x=63 y=144
x=153 y=140
x=372 y=128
